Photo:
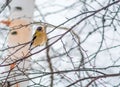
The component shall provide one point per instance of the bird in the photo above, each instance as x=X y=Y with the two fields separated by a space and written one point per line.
x=39 y=37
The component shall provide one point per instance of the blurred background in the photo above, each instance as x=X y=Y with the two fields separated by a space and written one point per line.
x=83 y=47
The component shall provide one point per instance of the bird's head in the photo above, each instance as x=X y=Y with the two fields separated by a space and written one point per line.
x=40 y=28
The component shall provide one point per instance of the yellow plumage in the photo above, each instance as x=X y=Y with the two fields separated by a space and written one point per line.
x=39 y=37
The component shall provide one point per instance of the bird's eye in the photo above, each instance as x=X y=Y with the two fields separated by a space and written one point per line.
x=39 y=28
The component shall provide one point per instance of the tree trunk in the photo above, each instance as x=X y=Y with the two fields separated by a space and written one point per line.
x=21 y=13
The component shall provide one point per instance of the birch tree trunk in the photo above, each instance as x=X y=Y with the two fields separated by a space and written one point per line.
x=21 y=14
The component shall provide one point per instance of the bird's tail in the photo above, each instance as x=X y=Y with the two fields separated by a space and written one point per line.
x=30 y=45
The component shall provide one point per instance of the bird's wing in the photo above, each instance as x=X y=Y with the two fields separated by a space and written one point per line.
x=34 y=37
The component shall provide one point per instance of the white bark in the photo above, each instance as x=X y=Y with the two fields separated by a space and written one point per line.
x=21 y=13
